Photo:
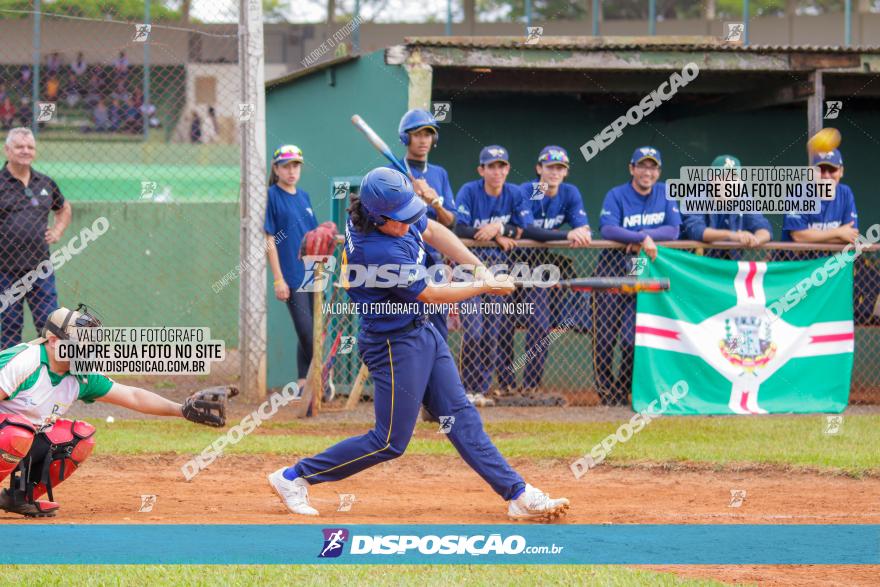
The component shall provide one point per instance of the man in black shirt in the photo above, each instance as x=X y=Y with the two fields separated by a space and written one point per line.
x=26 y=197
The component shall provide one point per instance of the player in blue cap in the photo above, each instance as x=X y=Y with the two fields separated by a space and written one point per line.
x=489 y=209
x=837 y=220
x=554 y=203
x=638 y=214
x=420 y=133
x=409 y=361
x=749 y=230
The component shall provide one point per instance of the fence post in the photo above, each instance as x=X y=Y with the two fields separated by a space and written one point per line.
x=252 y=300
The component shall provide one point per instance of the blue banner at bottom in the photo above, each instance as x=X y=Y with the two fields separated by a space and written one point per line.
x=444 y=544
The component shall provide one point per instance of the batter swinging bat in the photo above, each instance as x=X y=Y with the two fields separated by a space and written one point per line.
x=379 y=144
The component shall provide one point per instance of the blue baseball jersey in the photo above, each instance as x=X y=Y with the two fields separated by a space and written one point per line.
x=696 y=224
x=288 y=218
x=474 y=207
x=550 y=212
x=832 y=213
x=383 y=309
x=438 y=179
x=625 y=207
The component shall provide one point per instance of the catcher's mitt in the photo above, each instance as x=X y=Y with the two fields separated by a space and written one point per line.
x=208 y=406
x=320 y=241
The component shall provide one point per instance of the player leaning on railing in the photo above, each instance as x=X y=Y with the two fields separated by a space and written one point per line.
x=37 y=446
x=408 y=359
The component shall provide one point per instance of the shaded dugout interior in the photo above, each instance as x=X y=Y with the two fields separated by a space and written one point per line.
x=758 y=103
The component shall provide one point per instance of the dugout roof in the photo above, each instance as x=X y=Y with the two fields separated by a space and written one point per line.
x=733 y=77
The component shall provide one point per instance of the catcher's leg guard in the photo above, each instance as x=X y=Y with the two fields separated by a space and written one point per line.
x=16 y=440
x=16 y=437
x=55 y=455
x=68 y=443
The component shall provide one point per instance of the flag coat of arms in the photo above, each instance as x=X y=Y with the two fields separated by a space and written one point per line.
x=713 y=330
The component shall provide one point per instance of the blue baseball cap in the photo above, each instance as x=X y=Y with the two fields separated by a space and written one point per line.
x=643 y=153
x=493 y=153
x=832 y=158
x=552 y=154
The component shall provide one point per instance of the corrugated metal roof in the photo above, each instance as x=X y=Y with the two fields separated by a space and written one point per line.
x=657 y=43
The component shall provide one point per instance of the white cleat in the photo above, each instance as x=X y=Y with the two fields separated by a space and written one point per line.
x=294 y=494
x=534 y=504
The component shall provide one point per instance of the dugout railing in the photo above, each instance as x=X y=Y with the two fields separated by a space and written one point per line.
x=581 y=365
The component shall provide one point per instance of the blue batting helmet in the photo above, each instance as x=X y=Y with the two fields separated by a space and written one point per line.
x=388 y=194
x=414 y=120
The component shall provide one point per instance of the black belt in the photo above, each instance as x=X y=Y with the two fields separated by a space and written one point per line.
x=413 y=325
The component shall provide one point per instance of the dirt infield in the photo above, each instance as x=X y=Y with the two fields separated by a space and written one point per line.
x=444 y=490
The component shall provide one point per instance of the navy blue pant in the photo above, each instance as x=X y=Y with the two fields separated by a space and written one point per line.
x=481 y=344
x=538 y=325
x=42 y=299
x=300 y=307
x=409 y=370
x=614 y=321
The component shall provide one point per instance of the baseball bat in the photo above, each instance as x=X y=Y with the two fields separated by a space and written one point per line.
x=378 y=143
x=612 y=284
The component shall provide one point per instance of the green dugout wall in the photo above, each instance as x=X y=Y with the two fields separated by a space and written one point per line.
x=312 y=109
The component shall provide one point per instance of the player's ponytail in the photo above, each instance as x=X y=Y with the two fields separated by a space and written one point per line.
x=358 y=215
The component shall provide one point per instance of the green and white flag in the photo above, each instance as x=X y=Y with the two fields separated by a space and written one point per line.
x=713 y=330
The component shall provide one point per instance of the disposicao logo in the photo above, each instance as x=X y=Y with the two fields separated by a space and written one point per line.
x=334 y=540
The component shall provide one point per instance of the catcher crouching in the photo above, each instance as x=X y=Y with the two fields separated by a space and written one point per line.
x=40 y=449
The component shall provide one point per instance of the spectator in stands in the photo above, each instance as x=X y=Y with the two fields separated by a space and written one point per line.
x=52 y=88
x=24 y=80
x=120 y=92
x=3 y=93
x=209 y=126
x=78 y=67
x=149 y=113
x=94 y=90
x=195 y=128
x=102 y=116
x=53 y=65
x=25 y=114
x=114 y=113
x=132 y=122
x=120 y=67
x=26 y=197
x=749 y=230
x=76 y=80
x=7 y=113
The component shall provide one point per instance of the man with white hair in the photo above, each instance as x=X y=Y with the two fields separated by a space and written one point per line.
x=26 y=197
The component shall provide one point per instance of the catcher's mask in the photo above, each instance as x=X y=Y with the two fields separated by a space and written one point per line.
x=64 y=322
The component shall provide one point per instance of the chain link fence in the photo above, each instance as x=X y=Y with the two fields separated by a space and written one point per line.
x=573 y=348
x=142 y=118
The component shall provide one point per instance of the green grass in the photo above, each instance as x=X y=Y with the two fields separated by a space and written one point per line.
x=418 y=576
x=781 y=441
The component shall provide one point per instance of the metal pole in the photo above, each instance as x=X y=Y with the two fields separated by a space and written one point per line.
x=356 y=37
x=745 y=22
x=448 y=18
x=252 y=286
x=847 y=22
x=652 y=17
x=35 y=68
x=595 y=18
x=528 y=15
x=145 y=117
